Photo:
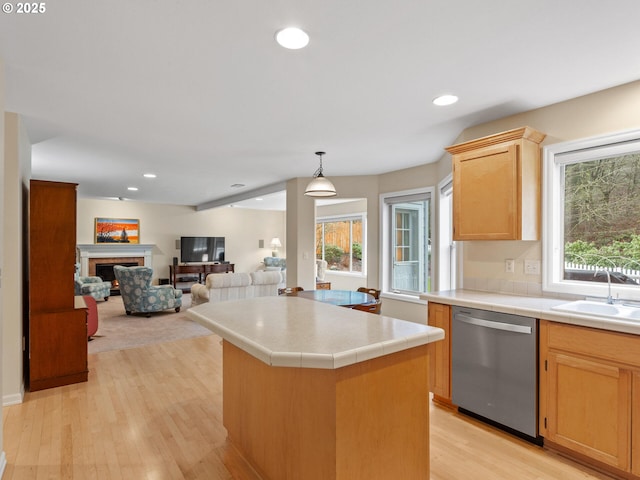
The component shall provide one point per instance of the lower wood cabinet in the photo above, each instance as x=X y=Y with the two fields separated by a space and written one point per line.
x=635 y=423
x=58 y=354
x=440 y=353
x=589 y=393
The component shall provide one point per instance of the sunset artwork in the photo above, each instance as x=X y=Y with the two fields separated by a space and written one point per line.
x=117 y=230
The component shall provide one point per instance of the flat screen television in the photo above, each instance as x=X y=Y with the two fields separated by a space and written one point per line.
x=201 y=249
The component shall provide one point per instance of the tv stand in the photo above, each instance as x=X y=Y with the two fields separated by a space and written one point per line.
x=202 y=269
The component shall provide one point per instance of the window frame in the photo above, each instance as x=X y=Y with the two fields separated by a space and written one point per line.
x=448 y=264
x=554 y=158
x=386 y=242
x=362 y=216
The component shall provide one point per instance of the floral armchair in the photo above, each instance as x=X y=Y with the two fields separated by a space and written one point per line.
x=139 y=296
x=92 y=285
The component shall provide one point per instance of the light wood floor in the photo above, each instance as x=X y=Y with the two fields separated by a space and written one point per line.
x=155 y=413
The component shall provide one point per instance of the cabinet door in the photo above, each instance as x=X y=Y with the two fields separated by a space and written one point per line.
x=486 y=194
x=52 y=245
x=589 y=408
x=440 y=352
x=635 y=425
x=58 y=348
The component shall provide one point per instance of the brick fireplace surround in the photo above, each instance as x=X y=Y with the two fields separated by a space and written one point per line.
x=92 y=254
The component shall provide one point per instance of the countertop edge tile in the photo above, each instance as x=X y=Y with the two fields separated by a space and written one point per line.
x=369 y=352
x=286 y=359
x=343 y=359
x=424 y=338
x=393 y=346
x=317 y=360
x=293 y=332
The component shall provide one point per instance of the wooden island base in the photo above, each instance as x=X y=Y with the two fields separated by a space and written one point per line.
x=369 y=420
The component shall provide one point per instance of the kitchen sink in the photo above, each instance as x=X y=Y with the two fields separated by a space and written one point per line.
x=601 y=309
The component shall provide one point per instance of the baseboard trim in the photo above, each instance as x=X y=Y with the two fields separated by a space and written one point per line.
x=13 y=398
x=3 y=463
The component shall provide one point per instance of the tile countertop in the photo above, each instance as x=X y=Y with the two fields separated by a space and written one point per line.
x=286 y=331
x=538 y=307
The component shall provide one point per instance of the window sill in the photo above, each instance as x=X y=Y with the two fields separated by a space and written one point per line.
x=345 y=274
x=403 y=297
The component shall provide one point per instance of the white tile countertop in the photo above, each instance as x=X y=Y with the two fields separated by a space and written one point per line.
x=537 y=307
x=289 y=331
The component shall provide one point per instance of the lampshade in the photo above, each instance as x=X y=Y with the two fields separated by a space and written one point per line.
x=275 y=242
x=320 y=186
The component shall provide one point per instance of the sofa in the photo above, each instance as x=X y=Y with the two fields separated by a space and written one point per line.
x=276 y=264
x=219 y=287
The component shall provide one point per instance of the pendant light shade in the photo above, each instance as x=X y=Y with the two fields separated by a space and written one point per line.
x=320 y=186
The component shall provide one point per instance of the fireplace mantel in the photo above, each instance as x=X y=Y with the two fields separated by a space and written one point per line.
x=113 y=250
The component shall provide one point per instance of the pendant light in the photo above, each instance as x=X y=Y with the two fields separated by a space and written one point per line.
x=320 y=186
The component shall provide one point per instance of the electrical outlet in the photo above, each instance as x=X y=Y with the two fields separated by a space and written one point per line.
x=532 y=267
x=509 y=265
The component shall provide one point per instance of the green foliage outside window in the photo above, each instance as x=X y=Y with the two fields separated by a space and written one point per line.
x=623 y=254
x=333 y=254
x=602 y=201
x=356 y=251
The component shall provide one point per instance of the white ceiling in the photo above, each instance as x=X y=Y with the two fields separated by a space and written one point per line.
x=199 y=93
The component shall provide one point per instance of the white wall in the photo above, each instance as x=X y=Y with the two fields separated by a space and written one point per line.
x=611 y=110
x=16 y=172
x=162 y=225
x=3 y=272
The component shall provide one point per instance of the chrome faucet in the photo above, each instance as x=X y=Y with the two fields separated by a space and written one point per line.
x=609 y=297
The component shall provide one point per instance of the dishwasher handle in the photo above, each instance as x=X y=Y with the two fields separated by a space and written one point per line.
x=509 y=327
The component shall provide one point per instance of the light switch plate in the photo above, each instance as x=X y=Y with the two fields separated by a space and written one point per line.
x=532 y=267
x=509 y=265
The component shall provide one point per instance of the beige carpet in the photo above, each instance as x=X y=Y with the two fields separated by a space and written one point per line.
x=118 y=331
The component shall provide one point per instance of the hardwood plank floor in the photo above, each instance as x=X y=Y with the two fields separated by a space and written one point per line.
x=155 y=413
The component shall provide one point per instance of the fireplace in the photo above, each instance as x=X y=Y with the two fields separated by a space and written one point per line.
x=105 y=271
x=91 y=255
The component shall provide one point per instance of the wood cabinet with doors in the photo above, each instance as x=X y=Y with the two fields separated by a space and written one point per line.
x=496 y=186
x=589 y=394
x=57 y=334
x=439 y=315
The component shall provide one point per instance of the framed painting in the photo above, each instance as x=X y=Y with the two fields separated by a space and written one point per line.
x=117 y=230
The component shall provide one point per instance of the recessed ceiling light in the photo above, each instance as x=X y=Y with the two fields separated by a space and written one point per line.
x=259 y=199
x=132 y=189
x=238 y=185
x=444 y=100
x=149 y=175
x=292 y=38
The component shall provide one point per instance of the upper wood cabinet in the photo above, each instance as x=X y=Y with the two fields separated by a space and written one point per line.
x=496 y=186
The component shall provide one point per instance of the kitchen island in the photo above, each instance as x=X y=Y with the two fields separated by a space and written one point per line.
x=317 y=391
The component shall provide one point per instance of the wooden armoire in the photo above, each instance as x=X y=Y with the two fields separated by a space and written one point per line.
x=57 y=321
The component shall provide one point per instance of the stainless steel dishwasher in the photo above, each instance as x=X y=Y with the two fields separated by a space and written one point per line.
x=494 y=368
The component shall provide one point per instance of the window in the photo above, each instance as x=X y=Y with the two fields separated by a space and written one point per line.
x=340 y=241
x=592 y=216
x=447 y=258
x=406 y=242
